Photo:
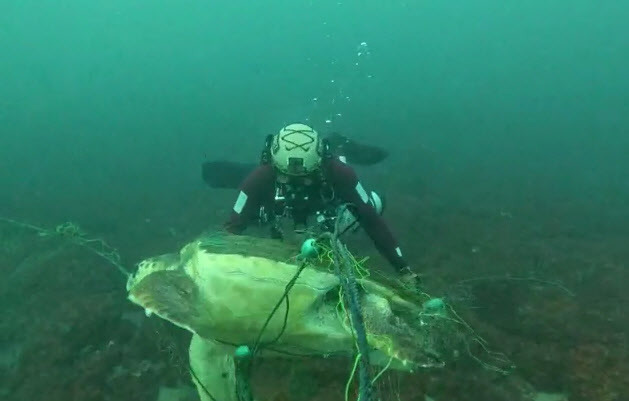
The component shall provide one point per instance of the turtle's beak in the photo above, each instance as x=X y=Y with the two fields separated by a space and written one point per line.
x=170 y=294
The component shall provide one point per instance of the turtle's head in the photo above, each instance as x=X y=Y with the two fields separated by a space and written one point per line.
x=165 y=262
x=161 y=286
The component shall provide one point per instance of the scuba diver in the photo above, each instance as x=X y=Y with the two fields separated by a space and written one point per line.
x=302 y=175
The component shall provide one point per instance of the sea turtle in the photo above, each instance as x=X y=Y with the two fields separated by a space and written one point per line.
x=222 y=289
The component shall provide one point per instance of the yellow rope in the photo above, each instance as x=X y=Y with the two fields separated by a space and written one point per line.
x=351 y=377
x=382 y=371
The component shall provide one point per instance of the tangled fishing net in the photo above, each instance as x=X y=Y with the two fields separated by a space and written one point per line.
x=232 y=291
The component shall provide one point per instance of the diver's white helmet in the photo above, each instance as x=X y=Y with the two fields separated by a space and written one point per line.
x=295 y=150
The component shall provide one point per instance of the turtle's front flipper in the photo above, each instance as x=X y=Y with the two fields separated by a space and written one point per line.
x=213 y=367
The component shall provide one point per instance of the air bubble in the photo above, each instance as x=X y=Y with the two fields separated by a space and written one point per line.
x=362 y=49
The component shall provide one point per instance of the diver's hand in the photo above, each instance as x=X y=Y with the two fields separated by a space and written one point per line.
x=410 y=279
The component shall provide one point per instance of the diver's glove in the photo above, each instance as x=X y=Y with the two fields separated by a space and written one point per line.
x=410 y=279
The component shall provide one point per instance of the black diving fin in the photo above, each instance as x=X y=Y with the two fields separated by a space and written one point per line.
x=228 y=174
x=355 y=152
x=225 y=174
